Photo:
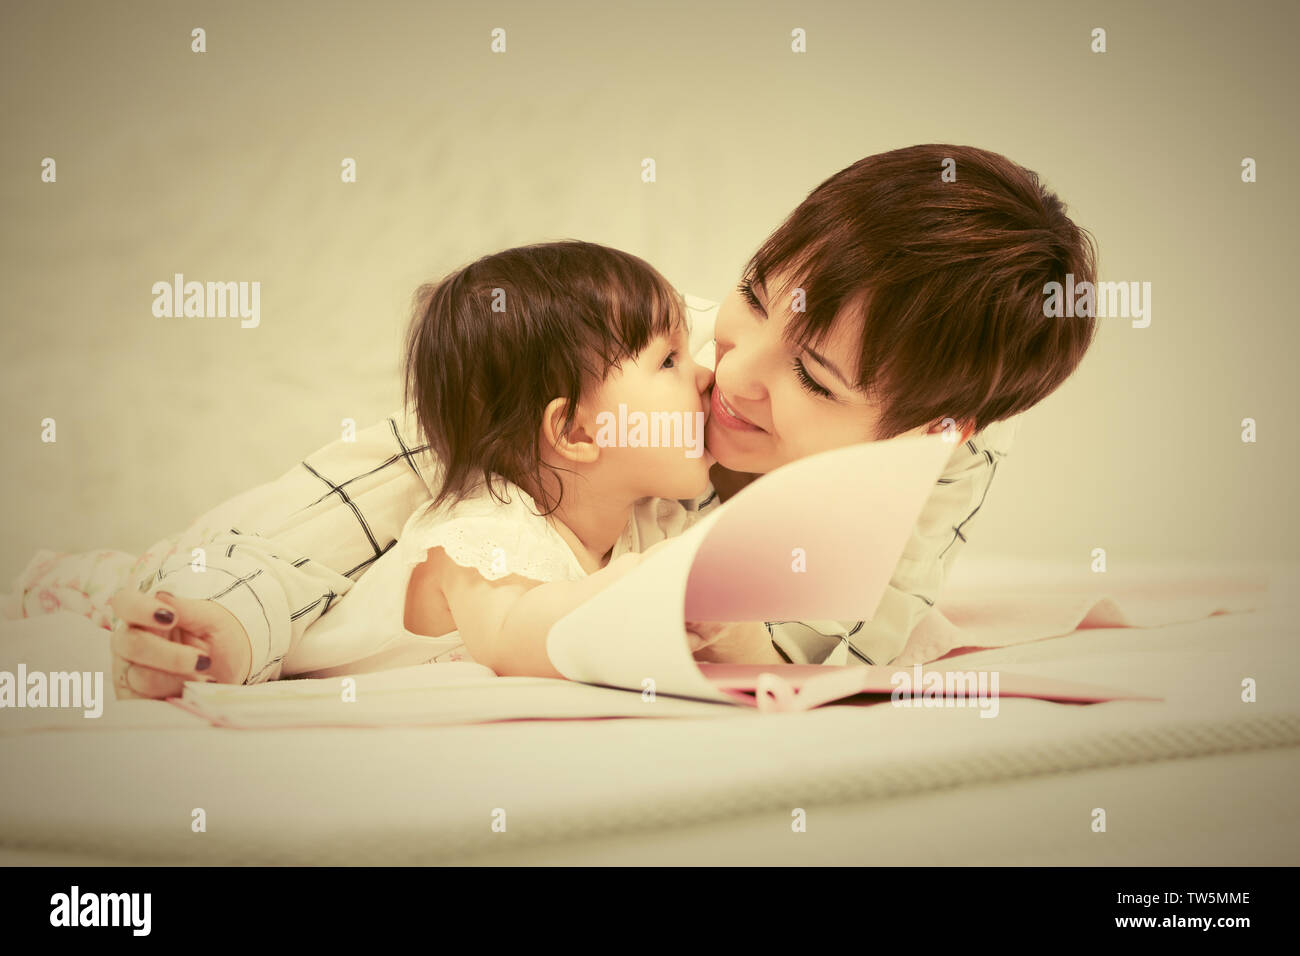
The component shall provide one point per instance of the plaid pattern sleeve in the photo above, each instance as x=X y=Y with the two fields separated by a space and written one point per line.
x=280 y=555
x=922 y=568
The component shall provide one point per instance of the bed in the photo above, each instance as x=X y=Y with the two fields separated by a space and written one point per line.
x=1201 y=778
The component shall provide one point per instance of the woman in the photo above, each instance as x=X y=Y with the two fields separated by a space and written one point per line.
x=904 y=295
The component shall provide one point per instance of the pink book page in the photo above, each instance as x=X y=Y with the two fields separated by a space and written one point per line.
x=843 y=516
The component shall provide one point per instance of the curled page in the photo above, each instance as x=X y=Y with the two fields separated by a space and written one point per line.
x=816 y=539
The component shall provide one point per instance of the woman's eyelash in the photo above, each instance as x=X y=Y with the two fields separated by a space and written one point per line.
x=807 y=381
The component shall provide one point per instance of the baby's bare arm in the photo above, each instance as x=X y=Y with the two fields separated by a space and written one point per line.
x=504 y=623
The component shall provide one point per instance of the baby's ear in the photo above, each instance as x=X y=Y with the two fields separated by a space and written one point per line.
x=577 y=445
x=553 y=422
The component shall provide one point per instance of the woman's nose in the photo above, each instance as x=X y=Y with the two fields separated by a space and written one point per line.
x=744 y=372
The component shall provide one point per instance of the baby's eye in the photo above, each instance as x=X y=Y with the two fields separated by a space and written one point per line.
x=670 y=360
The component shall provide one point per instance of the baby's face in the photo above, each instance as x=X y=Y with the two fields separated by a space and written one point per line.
x=650 y=416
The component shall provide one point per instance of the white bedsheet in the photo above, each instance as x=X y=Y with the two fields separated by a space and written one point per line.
x=1199 y=779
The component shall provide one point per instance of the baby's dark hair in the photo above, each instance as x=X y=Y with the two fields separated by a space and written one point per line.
x=494 y=343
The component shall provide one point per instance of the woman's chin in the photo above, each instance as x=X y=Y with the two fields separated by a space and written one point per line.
x=730 y=449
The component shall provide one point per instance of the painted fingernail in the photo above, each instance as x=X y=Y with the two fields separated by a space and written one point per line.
x=163 y=616
x=203 y=664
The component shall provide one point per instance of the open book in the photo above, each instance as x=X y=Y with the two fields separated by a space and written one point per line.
x=816 y=539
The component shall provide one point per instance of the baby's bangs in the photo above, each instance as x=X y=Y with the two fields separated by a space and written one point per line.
x=652 y=310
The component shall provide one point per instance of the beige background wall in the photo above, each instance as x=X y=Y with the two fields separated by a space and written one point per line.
x=225 y=166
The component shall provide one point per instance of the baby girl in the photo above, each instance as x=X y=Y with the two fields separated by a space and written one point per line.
x=517 y=365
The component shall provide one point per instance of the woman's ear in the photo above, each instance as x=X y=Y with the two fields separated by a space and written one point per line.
x=961 y=432
x=577 y=445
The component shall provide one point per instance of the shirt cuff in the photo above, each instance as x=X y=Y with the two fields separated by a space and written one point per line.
x=885 y=636
x=251 y=595
x=874 y=642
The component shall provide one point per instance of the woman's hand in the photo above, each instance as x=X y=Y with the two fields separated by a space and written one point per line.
x=744 y=642
x=164 y=641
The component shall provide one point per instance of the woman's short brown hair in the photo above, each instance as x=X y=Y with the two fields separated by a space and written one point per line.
x=492 y=344
x=949 y=277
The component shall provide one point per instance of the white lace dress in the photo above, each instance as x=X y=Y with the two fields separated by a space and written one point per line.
x=365 y=630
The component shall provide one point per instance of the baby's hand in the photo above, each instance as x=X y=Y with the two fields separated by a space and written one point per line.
x=620 y=566
x=657 y=546
x=626 y=562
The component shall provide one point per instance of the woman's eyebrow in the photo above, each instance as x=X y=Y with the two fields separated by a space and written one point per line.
x=822 y=360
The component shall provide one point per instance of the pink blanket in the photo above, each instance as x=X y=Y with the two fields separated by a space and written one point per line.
x=997 y=603
x=80 y=583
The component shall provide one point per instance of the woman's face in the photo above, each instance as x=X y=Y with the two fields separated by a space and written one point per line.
x=796 y=403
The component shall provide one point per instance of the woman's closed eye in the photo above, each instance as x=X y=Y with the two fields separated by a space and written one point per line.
x=807 y=380
x=747 y=291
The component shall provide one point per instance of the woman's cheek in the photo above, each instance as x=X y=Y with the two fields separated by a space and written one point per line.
x=813 y=433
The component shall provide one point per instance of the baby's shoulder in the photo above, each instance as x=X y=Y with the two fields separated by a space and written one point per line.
x=498 y=532
x=503 y=501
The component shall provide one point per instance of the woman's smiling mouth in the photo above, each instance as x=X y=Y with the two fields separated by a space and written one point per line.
x=728 y=416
